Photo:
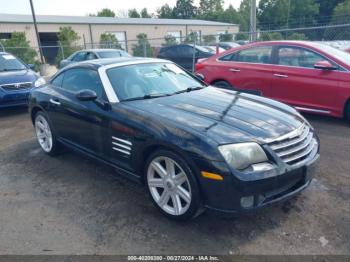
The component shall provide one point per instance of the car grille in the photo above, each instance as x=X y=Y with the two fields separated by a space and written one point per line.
x=17 y=86
x=296 y=146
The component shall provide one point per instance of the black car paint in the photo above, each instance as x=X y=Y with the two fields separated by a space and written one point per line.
x=191 y=124
x=185 y=61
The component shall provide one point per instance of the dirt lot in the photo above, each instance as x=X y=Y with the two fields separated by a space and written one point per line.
x=71 y=205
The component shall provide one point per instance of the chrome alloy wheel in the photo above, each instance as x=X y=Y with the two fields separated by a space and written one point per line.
x=169 y=185
x=43 y=133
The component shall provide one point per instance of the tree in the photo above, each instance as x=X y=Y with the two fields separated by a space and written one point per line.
x=144 y=13
x=225 y=37
x=269 y=36
x=169 y=40
x=19 y=46
x=230 y=15
x=210 y=9
x=241 y=36
x=191 y=38
x=326 y=9
x=185 y=9
x=67 y=38
x=133 y=13
x=108 y=40
x=106 y=12
x=244 y=15
x=297 y=36
x=209 y=39
x=143 y=47
x=340 y=16
x=165 y=11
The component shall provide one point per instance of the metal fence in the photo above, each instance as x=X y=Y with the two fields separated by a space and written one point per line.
x=335 y=35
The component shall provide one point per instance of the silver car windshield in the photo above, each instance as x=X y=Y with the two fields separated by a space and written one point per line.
x=150 y=80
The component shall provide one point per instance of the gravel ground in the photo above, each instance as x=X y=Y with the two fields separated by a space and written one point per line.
x=72 y=205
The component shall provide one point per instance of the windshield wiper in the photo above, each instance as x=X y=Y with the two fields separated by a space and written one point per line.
x=149 y=96
x=189 y=89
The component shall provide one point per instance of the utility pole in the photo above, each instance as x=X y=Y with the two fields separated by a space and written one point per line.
x=252 y=28
x=36 y=32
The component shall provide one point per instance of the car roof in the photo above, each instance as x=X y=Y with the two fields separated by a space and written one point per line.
x=100 y=50
x=97 y=63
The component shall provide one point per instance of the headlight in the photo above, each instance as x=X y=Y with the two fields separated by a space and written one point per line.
x=40 y=81
x=240 y=156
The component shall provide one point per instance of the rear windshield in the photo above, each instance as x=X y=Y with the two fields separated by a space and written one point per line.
x=112 y=54
x=9 y=62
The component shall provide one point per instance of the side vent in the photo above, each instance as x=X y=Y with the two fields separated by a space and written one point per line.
x=121 y=145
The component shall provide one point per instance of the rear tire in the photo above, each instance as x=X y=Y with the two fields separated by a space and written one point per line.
x=223 y=84
x=172 y=186
x=347 y=112
x=45 y=135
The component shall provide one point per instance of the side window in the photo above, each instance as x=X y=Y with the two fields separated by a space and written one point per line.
x=91 y=56
x=228 y=57
x=57 y=81
x=78 y=79
x=185 y=51
x=259 y=55
x=79 y=57
x=296 y=56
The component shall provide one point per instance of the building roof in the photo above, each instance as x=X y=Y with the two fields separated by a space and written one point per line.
x=56 y=19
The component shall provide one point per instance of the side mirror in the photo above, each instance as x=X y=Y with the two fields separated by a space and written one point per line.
x=324 y=65
x=86 y=95
x=200 y=77
x=31 y=66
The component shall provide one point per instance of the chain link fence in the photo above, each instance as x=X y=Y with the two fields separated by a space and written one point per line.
x=335 y=35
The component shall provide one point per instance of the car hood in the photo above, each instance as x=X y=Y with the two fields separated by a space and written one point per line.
x=20 y=76
x=225 y=116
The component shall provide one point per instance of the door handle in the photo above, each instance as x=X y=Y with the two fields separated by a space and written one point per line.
x=55 y=102
x=234 y=70
x=280 y=76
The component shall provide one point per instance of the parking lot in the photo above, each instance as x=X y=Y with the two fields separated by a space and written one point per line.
x=72 y=205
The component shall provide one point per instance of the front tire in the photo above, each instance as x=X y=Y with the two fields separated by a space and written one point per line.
x=172 y=185
x=45 y=136
x=223 y=84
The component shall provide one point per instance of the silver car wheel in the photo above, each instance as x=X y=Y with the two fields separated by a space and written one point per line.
x=169 y=185
x=43 y=133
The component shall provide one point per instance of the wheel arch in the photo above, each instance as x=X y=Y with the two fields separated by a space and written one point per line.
x=34 y=111
x=346 y=106
x=218 y=80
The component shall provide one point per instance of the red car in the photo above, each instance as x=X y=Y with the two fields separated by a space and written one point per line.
x=312 y=77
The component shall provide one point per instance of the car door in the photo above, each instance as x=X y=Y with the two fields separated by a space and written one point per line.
x=298 y=83
x=249 y=70
x=83 y=124
x=184 y=56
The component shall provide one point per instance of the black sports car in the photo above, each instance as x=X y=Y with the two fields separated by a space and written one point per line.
x=195 y=147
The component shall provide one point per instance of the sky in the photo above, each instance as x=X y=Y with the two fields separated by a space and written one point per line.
x=85 y=7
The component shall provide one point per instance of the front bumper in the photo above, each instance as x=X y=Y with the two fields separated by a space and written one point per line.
x=12 y=99
x=226 y=196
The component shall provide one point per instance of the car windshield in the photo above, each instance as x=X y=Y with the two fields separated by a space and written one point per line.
x=9 y=62
x=338 y=54
x=112 y=54
x=150 y=80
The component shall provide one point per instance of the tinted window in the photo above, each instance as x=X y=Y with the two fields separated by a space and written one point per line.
x=79 y=57
x=78 y=79
x=168 y=52
x=260 y=55
x=91 y=56
x=185 y=50
x=295 y=56
x=57 y=81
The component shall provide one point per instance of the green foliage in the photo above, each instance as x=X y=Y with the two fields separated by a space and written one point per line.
x=191 y=38
x=67 y=38
x=271 y=36
x=241 y=36
x=165 y=11
x=209 y=39
x=210 y=9
x=341 y=15
x=226 y=37
x=19 y=46
x=169 y=40
x=297 y=36
x=108 y=40
x=185 y=9
x=132 y=13
x=106 y=12
x=143 y=47
x=144 y=13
